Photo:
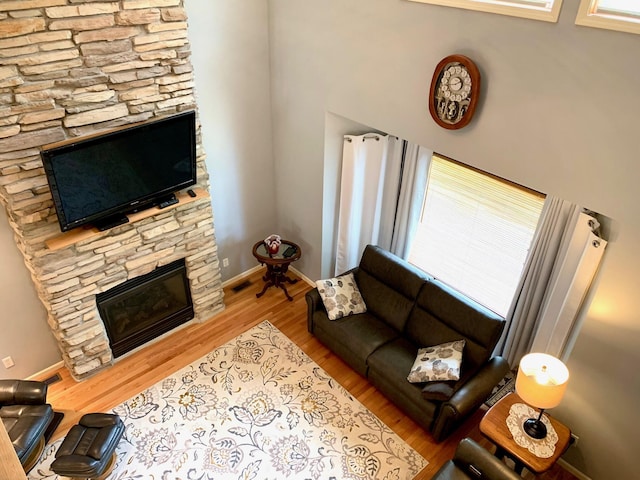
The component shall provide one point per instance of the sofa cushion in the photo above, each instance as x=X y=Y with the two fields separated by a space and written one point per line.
x=389 y=285
x=386 y=365
x=438 y=362
x=353 y=338
x=443 y=315
x=441 y=391
x=341 y=296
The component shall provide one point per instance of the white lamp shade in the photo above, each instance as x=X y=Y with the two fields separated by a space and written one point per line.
x=542 y=380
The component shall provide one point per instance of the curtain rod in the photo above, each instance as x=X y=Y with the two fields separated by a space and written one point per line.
x=377 y=138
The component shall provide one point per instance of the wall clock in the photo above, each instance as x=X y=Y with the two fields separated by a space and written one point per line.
x=454 y=92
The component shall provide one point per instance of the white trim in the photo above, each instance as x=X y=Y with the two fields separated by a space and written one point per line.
x=588 y=16
x=47 y=372
x=572 y=470
x=303 y=276
x=493 y=6
x=240 y=276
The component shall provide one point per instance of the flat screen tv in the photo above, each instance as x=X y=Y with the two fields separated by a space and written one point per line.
x=99 y=179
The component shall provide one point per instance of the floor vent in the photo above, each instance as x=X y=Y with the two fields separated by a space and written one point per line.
x=241 y=286
x=53 y=379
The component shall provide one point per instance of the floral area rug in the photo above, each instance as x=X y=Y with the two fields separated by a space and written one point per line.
x=255 y=408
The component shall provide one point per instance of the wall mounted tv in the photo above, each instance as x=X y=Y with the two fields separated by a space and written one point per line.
x=99 y=179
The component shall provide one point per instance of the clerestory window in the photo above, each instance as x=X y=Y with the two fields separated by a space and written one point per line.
x=621 y=15
x=546 y=10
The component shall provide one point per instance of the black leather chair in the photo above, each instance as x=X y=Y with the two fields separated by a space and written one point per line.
x=26 y=415
x=473 y=461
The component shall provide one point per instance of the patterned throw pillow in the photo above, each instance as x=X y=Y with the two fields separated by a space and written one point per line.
x=440 y=362
x=341 y=296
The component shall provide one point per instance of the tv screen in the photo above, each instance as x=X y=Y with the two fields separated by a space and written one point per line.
x=98 y=179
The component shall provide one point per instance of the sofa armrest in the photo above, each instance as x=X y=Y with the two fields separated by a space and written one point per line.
x=22 y=392
x=314 y=303
x=469 y=397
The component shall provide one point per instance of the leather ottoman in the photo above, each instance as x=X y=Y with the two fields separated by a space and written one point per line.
x=88 y=450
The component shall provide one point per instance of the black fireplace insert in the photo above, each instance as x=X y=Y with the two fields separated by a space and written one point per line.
x=146 y=307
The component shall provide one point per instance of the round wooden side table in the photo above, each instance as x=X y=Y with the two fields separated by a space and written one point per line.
x=277 y=265
x=494 y=426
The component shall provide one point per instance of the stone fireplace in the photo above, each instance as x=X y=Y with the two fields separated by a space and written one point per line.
x=70 y=68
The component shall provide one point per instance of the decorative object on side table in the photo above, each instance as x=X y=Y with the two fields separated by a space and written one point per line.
x=540 y=447
x=277 y=262
x=541 y=382
x=273 y=243
x=454 y=92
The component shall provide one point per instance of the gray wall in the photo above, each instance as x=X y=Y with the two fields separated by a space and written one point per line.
x=230 y=55
x=558 y=113
x=24 y=333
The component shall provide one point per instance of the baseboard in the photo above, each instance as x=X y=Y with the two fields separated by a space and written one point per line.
x=303 y=276
x=246 y=273
x=47 y=372
x=240 y=276
x=572 y=470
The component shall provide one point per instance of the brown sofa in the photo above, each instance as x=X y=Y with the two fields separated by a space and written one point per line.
x=408 y=310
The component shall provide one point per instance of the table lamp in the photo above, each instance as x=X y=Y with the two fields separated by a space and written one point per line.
x=541 y=382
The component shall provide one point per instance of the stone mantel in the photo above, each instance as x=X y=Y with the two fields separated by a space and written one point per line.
x=70 y=68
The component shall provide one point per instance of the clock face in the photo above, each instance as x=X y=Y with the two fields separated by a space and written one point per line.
x=454 y=92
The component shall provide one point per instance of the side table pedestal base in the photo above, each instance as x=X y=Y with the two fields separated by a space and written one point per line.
x=276 y=276
x=277 y=265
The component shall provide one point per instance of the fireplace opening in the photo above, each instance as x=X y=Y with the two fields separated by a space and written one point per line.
x=146 y=307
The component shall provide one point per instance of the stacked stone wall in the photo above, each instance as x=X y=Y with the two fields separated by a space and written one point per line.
x=70 y=68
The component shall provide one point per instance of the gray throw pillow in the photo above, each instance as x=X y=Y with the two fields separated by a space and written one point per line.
x=341 y=296
x=440 y=362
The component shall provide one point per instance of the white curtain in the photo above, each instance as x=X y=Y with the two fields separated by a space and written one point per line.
x=581 y=251
x=368 y=195
x=543 y=287
x=413 y=187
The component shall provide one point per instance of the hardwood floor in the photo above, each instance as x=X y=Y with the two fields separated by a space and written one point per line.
x=152 y=363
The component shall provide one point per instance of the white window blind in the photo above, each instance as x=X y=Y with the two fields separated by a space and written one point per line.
x=621 y=15
x=475 y=232
x=547 y=10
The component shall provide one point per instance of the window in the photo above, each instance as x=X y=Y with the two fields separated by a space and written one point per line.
x=475 y=232
x=546 y=10
x=621 y=15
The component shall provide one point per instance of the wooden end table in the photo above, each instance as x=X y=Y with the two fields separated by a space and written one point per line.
x=277 y=265
x=494 y=426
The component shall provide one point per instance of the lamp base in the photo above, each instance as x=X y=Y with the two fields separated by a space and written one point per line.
x=535 y=428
